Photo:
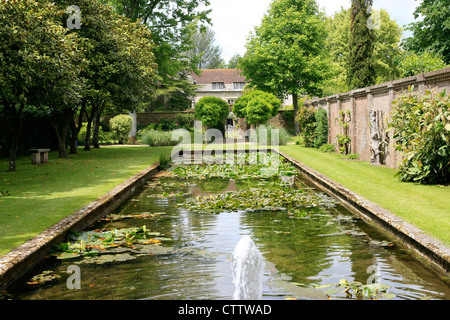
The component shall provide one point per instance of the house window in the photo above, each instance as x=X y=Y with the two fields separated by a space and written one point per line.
x=231 y=101
x=218 y=85
x=239 y=85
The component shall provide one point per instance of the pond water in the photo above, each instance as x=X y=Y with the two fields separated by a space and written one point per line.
x=307 y=255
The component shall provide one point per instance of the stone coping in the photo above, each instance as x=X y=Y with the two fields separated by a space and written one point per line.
x=425 y=248
x=16 y=263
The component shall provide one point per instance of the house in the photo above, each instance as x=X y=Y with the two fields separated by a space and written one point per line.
x=226 y=84
x=223 y=83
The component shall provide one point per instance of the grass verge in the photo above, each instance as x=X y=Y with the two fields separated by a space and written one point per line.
x=38 y=196
x=426 y=207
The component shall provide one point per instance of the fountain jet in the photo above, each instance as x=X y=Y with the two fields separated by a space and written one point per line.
x=248 y=268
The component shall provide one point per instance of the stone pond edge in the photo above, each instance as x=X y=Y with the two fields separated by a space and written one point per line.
x=20 y=260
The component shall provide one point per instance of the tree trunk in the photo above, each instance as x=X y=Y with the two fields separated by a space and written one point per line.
x=61 y=123
x=73 y=137
x=75 y=129
x=95 y=137
x=14 y=119
x=87 y=139
x=90 y=117
x=295 y=102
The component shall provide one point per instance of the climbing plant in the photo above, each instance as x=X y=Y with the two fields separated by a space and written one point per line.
x=343 y=139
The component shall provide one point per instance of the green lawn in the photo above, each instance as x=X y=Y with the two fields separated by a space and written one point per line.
x=427 y=207
x=41 y=195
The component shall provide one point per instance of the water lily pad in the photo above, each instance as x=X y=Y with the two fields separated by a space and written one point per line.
x=43 y=277
x=107 y=258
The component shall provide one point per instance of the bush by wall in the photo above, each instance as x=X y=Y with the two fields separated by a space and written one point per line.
x=120 y=127
x=212 y=111
x=421 y=126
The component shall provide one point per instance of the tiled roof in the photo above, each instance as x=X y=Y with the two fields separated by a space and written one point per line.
x=208 y=76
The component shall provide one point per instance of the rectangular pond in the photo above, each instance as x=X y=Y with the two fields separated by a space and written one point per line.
x=175 y=240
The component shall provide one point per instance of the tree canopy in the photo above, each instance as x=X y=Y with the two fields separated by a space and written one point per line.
x=431 y=30
x=256 y=106
x=361 y=69
x=285 y=53
x=204 y=52
x=40 y=62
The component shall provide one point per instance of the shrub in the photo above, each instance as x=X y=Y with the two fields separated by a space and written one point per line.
x=212 y=111
x=327 y=148
x=421 y=125
x=283 y=135
x=307 y=122
x=185 y=121
x=156 y=138
x=120 y=126
x=321 y=130
x=102 y=136
x=256 y=106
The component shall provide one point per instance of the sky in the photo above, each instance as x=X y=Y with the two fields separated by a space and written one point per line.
x=233 y=20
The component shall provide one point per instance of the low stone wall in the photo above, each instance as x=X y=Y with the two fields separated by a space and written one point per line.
x=376 y=98
x=25 y=257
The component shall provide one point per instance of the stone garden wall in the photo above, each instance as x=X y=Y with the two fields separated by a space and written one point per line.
x=376 y=98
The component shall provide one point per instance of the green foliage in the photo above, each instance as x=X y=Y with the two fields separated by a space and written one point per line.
x=256 y=106
x=307 y=121
x=411 y=63
x=431 y=29
x=343 y=140
x=120 y=127
x=285 y=53
x=386 y=49
x=104 y=243
x=321 y=130
x=266 y=130
x=421 y=125
x=361 y=71
x=103 y=136
x=156 y=138
x=212 y=111
x=164 y=161
x=328 y=148
x=171 y=25
x=40 y=63
x=204 y=52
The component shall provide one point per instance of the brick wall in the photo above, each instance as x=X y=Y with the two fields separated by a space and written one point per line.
x=379 y=97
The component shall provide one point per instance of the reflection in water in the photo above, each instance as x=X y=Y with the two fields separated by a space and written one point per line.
x=303 y=257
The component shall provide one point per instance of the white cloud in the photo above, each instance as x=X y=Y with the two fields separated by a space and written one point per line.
x=233 y=20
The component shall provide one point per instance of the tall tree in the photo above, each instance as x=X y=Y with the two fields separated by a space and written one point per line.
x=361 y=71
x=170 y=22
x=205 y=53
x=234 y=61
x=285 y=53
x=431 y=32
x=121 y=61
x=40 y=63
x=387 y=51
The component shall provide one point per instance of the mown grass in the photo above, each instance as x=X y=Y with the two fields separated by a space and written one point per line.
x=38 y=196
x=425 y=206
